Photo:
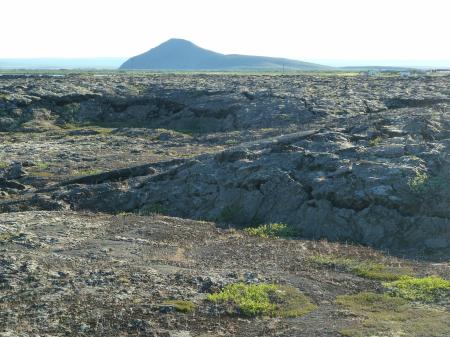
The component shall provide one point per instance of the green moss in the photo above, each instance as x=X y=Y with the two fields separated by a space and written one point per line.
x=375 y=141
x=249 y=300
x=263 y=299
x=3 y=165
x=422 y=183
x=7 y=236
x=366 y=269
x=4 y=97
x=427 y=289
x=273 y=230
x=383 y=315
x=181 y=306
x=372 y=302
x=378 y=271
x=42 y=166
x=418 y=182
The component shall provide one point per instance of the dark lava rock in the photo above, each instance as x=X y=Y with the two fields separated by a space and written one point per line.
x=362 y=160
x=14 y=171
x=83 y=132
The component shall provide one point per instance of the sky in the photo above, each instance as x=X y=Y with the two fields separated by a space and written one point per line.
x=337 y=32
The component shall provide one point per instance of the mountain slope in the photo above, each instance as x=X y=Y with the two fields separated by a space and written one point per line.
x=177 y=54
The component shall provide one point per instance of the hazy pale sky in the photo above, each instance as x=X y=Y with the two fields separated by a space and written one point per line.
x=299 y=29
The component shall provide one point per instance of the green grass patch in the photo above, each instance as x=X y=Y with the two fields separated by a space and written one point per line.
x=87 y=172
x=367 y=269
x=384 y=315
x=273 y=230
x=262 y=300
x=181 y=306
x=427 y=289
x=3 y=165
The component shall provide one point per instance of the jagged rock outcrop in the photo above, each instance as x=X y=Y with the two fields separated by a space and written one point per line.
x=381 y=189
x=361 y=160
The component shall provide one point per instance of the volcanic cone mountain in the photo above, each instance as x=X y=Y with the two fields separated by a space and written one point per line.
x=178 y=54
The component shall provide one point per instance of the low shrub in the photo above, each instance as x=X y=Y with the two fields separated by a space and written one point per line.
x=273 y=230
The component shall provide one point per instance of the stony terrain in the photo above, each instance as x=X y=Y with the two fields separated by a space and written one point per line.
x=120 y=193
x=72 y=274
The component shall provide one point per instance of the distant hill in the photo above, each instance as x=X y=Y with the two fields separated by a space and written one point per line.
x=377 y=68
x=178 y=54
x=62 y=63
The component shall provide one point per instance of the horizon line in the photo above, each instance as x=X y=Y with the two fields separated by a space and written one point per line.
x=52 y=62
